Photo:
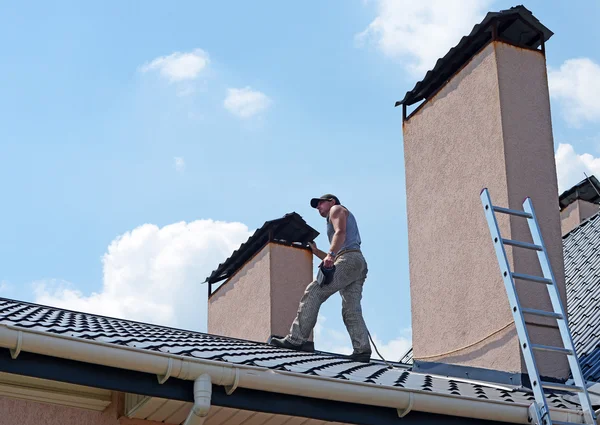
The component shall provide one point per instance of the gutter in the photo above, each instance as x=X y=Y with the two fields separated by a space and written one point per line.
x=232 y=376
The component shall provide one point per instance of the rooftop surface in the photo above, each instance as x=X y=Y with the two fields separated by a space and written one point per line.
x=184 y=343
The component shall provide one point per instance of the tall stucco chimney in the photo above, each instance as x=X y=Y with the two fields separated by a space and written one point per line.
x=263 y=281
x=579 y=203
x=484 y=122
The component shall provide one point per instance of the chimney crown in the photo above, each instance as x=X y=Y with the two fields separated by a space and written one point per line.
x=291 y=229
x=586 y=190
x=516 y=26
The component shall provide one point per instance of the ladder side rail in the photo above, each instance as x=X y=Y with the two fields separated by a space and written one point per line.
x=557 y=304
x=515 y=306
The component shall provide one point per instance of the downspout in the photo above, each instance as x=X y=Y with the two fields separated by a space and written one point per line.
x=202 y=396
x=165 y=365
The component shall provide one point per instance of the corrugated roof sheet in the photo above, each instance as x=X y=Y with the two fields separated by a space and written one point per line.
x=581 y=248
x=516 y=25
x=184 y=343
x=289 y=229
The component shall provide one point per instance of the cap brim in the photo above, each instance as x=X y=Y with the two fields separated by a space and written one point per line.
x=314 y=202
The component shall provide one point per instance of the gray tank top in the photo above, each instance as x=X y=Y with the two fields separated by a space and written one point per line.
x=352 y=234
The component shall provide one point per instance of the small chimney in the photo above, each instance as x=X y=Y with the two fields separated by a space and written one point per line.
x=263 y=281
x=578 y=203
x=484 y=121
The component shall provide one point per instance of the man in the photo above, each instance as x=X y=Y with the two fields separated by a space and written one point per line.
x=348 y=278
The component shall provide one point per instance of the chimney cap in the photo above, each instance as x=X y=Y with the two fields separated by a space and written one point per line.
x=516 y=25
x=289 y=229
x=586 y=190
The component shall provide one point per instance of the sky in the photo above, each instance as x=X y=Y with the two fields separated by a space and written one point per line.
x=142 y=142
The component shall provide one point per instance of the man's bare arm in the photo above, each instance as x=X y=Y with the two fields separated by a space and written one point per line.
x=320 y=254
x=337 y=216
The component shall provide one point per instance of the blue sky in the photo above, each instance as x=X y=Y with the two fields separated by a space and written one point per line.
x=140 y=143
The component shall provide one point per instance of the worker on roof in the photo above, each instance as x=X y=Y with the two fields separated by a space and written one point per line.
x=342 y=270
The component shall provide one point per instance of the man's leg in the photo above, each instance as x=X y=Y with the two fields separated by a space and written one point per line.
x=346 y=271
x=308 y=310
x=353 y=318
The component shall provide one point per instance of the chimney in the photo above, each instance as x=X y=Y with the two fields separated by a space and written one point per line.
x=579 y=203
x=484 y=121
x=263 y=281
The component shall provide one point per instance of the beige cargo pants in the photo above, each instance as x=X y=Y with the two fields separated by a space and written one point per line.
x=349 y=277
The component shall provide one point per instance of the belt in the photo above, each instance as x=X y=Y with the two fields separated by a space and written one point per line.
x=345 y=251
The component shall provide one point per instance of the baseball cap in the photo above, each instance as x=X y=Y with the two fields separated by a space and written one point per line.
x=327 y=197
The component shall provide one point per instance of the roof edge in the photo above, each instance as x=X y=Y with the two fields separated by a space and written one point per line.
x=115 y=379
x=230 y=376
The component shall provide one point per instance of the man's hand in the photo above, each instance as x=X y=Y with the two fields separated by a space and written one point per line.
x=320 y=254
x=328 y=261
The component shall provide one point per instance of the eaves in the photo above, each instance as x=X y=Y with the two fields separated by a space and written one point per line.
x=129 y=369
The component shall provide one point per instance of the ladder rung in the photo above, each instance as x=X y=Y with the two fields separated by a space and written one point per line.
x=561 y=387
x=521 y=244
x=566 y=423
x=532 y=278
x=542 y=313
x=549 y=348
x=512 y=212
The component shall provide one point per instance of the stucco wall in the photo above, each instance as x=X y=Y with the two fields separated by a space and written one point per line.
x=25 y=412
x=455 y=145
x=241 y=307
x=291 y=272
x=569 y=217
x=262 y=298
x=531 y=171
x=586 y=209
x=575 y=213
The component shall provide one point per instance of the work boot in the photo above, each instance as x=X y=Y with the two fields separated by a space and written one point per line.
x=284 y=343
x=361 y=357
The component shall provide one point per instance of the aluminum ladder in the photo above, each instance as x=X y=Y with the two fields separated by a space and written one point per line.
x=538 y=411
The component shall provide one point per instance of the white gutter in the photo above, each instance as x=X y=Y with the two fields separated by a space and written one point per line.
x=231 y=376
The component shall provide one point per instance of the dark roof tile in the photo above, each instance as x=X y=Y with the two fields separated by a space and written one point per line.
x=581 y=249
x=185 y=343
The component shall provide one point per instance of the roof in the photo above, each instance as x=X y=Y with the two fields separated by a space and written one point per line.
x=289 y=229
x=516 y=25
x=118 y=332
x=587 y=190
x=581 y=249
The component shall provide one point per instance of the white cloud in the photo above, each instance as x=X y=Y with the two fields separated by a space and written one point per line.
x=246 y=102
x=420 y=32
x=334 y=341
x=154 y=274
x=179 y=164
x=394 y=349
x=576 y=84
x=4 y=287
x=570 y=166
x=179 y=66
